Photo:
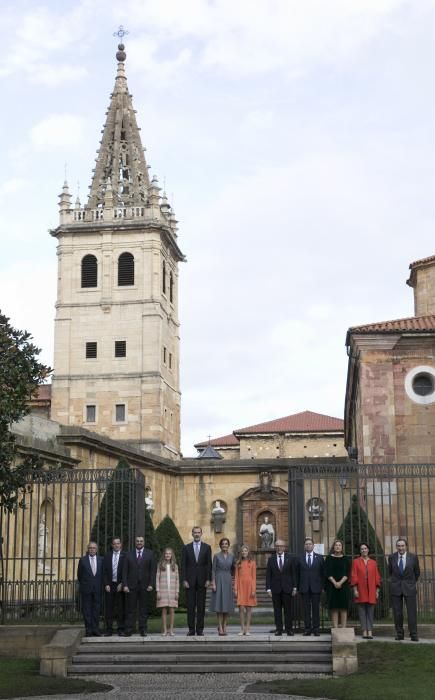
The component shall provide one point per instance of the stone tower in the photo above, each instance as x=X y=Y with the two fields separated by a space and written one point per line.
x=116 y=350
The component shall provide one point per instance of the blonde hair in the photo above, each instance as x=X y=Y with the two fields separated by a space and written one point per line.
x=240 y=559
x=163 y=562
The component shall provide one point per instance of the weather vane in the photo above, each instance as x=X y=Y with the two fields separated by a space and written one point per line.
x=121 y=32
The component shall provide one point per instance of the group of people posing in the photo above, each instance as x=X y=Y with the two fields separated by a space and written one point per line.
x=127 y=578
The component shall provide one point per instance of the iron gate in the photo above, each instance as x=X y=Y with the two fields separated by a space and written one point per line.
x=42 y=543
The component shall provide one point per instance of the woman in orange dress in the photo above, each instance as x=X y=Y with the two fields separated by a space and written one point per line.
x=245 y=585
x=365 y=580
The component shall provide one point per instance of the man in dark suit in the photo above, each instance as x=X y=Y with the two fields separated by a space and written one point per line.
x=404 y=573
x=90 y=578
x=281 y=585
x=196 y=577
x=114 y=596
x=311 y=579
x=138 y=579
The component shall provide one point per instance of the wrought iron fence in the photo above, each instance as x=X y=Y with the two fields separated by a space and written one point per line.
x=373 y=503
x=42 y=543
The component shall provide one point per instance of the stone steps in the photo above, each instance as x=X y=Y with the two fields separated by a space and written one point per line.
x=232 y=654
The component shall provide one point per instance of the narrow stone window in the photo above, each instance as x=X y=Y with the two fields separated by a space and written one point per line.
x=120 y=348
x=170 y=360
x=91 y=351
x=164 y=355
x=171 y=287
x=125 y=270
x=89 y=271
x=91 y=413
x=120 y=412
x=164 y=277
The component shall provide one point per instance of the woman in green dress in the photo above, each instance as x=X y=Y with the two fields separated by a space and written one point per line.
x=337 y=572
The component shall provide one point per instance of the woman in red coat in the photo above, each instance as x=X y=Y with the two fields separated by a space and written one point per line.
x=365 y=580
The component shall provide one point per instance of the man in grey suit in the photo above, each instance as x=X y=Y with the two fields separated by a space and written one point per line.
x=404 y=573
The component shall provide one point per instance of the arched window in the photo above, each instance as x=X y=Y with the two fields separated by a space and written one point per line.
x=171 y=287
x=125 y=270
x=89 y=271
x=164 y=277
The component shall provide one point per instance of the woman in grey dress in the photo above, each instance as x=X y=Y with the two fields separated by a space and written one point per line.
x=222 y=597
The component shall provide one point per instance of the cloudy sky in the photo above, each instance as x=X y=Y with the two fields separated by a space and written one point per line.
x=297 y=140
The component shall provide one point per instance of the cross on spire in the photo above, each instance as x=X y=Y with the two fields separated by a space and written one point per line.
x=121 y=33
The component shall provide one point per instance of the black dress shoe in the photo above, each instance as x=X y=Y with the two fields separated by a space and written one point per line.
x=317 y=633
x=200 y=634
x=143 y=633
x=414 y=638
x=290 y=633
x=109 y=633
x=97 y=634
x=307 y=633
x=190 y=633
x=278 y=633
x=127 y=634
x=399 y=638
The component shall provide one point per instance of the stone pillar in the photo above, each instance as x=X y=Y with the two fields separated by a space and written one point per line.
x=344 y=651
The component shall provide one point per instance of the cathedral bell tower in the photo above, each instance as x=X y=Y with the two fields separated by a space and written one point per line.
x=116 y=350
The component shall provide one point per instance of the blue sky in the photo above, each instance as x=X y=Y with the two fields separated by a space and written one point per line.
x=297 y=141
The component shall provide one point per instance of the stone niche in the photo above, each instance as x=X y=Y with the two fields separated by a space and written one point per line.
x=259 y=508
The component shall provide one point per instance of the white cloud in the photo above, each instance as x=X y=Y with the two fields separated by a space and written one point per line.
x=39 y=34
x=250 y=37
x=64 y=131
x=11 y=186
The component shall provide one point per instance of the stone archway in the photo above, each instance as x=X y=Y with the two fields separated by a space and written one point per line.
x=255 y=506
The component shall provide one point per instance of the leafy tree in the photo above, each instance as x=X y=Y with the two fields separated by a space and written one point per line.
x=114 y=517
x=168 y=536
x=356 y=528
x=20 y=375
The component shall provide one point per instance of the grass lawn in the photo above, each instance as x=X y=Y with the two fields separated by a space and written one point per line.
x=20 y=678
x=387 y=671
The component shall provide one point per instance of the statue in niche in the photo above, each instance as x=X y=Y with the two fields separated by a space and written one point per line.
x=217 y=508
x=42 y=545
x=218 y=516
x=149 y=503
x=267 y=534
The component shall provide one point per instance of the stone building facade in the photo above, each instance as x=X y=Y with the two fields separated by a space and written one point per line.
x=116 y=350
x=390 y=393
x=299 y=436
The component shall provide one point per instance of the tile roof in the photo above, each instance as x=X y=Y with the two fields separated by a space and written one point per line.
x=209 y=453
x=224 y=441
x=304 y=422
x=422 y=261
x=43 y=393
x=416 y=324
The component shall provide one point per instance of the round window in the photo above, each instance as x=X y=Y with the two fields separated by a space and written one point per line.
x=420 y=384
x=423 y=384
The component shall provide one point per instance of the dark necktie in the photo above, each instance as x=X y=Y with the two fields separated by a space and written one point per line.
x=280 y=562
x=139 y=556
x=309 y=561
x=401 y=565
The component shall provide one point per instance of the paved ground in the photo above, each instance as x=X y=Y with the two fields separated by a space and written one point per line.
x=182 y=687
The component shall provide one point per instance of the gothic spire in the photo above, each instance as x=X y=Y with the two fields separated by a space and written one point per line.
x=120 y=160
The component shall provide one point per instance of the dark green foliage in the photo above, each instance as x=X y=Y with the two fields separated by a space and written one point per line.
x=168 y=536
x=20 y=376
x=355 y=529
x=116 y=510
x=152 y=543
